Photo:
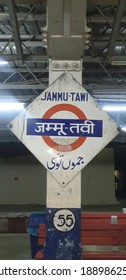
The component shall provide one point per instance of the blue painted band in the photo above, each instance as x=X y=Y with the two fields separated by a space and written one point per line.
x=64 y=127
x=63 y=245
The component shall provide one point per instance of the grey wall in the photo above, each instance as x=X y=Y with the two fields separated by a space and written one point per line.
x=23 y=180
x=98 y=185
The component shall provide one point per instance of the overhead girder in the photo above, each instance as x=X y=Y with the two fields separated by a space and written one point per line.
x=66 y=23
x=121 y=7
x=95 y=18
x=44 y=58
x=15 y=29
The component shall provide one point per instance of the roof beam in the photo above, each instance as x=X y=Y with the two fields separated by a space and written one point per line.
x=102 y=41
x=29 y=58
x=20 y=17
x=116 y=25
x=46 y=70
x=44 y=59
x=23 y=70
x=23 y=37
x=37 y=39
x=15 y=29
x=33 y=17
x=100 y=19
x=24 y=2
x=98 y=89
x=21 y=86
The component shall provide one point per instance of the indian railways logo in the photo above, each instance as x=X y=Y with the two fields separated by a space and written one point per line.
x=49 y=127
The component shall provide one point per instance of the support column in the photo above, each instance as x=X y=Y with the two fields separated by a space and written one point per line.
x=63 y=206
x=63 y=219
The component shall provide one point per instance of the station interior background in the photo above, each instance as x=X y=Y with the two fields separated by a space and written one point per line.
x=24 y=72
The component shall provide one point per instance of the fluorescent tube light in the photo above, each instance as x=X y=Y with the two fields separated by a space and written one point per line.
x=123 y=128
x=11 y=106
x=114 y=108
x=3 y=62
x=118 y=62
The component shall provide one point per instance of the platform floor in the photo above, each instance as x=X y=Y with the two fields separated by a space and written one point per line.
x=28 y=209
x=15 y=247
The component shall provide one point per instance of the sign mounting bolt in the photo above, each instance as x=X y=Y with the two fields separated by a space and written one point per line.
x=56 y=65
x=65 y=65
x=75 y=65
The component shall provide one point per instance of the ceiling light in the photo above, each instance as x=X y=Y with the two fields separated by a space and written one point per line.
x=123 y=128
x=114 y=108
x=118 y=62
x=3 y=62
x=11 y=106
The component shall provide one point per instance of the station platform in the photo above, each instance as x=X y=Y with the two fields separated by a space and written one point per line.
x=15 y=241
x=22 y=209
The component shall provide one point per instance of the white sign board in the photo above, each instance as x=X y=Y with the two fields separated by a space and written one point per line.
x=64 y=128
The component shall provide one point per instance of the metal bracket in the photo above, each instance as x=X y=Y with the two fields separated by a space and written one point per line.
x=69 y=65
x=114 y=219
x=67 y=31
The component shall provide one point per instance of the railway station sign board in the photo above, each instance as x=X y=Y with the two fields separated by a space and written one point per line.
x=64 y=128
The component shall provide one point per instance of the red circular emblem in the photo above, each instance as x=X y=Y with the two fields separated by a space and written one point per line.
x=77 y=143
